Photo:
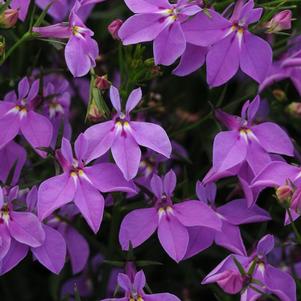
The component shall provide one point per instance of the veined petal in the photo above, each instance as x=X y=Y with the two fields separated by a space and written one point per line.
x=137 y=227
x=169 y=45
x=90 y=203
x=152 y=136
x=173 y=237
x=223 y=60
x=26 y=228
x=54 y=193
x=52 y=252
x=142 y=28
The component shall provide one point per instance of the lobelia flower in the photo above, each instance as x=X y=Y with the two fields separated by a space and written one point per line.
x=12 y=160
x=247 y=142
x=17 y=114
x=172 y=221
x=81 y=184
x=161 y=22
x=57 y=105
x=133 y=289
x=19 y=230
x=124 y=136
x=287 y=67
x=231 y=215
x=237 y=47
x=80 y=46
x=263 y=277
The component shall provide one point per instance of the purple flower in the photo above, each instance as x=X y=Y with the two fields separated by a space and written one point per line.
x=161 y=22
x=288 y=67
x=80 y=46
x=234 y=46
x=12 y=154
x=81 y=184
x=18 y=114
x=124 y=136
x=172 y=221
x=264 y=279
x=22 y=7
x=133 y=289
x=19 y=230
x=231 y=215
x=247 y=142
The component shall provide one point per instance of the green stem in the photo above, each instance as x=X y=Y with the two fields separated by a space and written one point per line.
x=297 y=233
x=27 y=36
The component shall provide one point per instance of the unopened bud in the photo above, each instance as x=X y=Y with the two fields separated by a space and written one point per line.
x=102 y=83
x=295 y=109
x=284 y=193
x=279 y=95
x=281 y=21
x=9 y=18
x=94 y=113
x=114 y=27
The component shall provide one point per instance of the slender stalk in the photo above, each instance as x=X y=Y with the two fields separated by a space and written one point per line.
x=297 y=233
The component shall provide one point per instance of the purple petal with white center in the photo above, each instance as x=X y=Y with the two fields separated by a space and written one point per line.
x=52 y=252
x=26 y=228
x=256 y=56
x=223 y=60
x=54 y=193
x=169 y=45
x=205 y=29
x=196 y=213
x=173 y=237
x=90 y=203
x=152 y=136
x=126 y=154
x=137 y=227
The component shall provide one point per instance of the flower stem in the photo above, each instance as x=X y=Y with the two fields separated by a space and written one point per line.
x=297 y=233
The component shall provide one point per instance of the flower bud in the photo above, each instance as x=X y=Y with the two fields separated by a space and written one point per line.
x=284 y=193
x=94 y=113
x=9 y=18
x=281 y=21
x=279 y=95
x=295 y=109
x=102 y=83
x=113 y=28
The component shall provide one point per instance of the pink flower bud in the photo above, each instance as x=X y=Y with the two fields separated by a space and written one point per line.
x=284 y=193
x=102 y=83
x=113 y=28
x=231 y=281
x=281 y=21
x=9 y=18
x=295 y=109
